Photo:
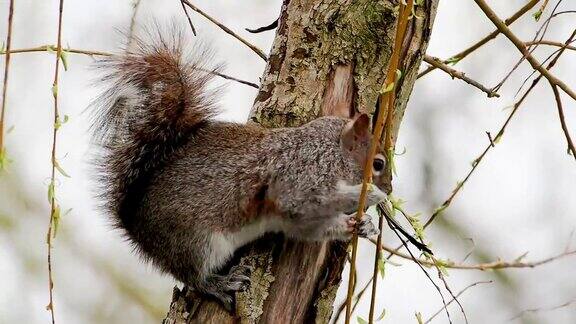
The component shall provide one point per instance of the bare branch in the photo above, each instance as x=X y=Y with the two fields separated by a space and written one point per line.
x=227 y=30
x=436 y=62
x=544 y=309
x=540 y=34
x=54 y=208
x=188 y=17
x=50 y=48
x=227 y=77
x=461 y=55
x=53 y=48
x=5 y=82
x=500 y=133
x=499 y=264
x=550 y=43
x=522 y=48
x=135 y=6
x=571 y=149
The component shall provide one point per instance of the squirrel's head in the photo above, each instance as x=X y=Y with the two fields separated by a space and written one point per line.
x=355 y=139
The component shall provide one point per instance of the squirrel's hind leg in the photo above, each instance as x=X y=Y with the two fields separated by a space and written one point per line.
x=216 y=253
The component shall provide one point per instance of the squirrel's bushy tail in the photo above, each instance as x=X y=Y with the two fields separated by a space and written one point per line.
x=157 y=97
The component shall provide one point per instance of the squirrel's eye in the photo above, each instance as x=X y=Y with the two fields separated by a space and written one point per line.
x=378 y=165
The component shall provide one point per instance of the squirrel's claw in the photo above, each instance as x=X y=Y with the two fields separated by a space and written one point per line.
x=239 y=278
x=366 y=228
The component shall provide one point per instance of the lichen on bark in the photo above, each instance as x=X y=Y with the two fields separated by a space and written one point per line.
x=322 y=35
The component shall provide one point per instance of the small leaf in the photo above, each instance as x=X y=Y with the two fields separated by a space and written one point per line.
x=55 y=91
x=51 y=191
x=66 y=119
x=453 y=60
x=388 y=88
x=419 y=318
x=55 y=219
x=413 y=14
x=441 y=265
x=381 y=265
x=520 y=258
x=398 y=75
x=59 y=168
x=381 y=317
x=4 y=160
x=537 y=15
x=64 y=58
x=440 y=209
x=401 y=153
x=391 y=160
x=498 y=138
x=361 y=320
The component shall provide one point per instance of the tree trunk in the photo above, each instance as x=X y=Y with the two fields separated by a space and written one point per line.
x=329 y=57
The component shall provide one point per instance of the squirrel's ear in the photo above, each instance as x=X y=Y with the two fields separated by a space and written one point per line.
x=356 y=134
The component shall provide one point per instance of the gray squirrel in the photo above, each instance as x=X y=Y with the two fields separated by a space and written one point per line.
x=188 y=190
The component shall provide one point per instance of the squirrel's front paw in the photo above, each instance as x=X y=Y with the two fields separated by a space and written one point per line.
x=365 y=227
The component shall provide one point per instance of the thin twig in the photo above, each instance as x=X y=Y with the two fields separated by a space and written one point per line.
x=543 y=309
x=455 y=298
x=376 y=268
x=188 y=17
x=494 y=265
x=227 y=30
x=436 y=62
x=522 y=48
x=356 y=301
x=490 y=139
x=53 y=48
x=53 y=206
x=49 y=48
x=227 y=77
x=462 y=54
x=571 y=149
x=135 y=6
x=5 y=85
x=549 y=43
x=531 y=49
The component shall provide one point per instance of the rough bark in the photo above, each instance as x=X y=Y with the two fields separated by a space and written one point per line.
x=329 y=57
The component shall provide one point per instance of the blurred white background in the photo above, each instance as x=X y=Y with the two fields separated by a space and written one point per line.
x=521 y=198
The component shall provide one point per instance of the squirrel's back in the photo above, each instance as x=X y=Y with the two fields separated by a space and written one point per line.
x=157 y=98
